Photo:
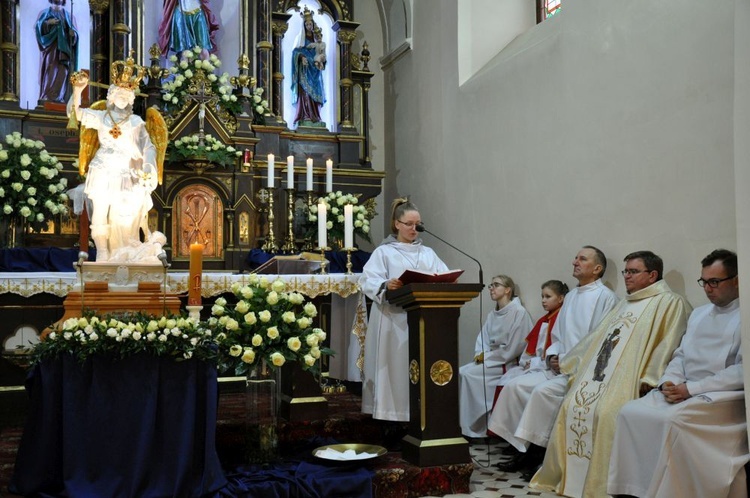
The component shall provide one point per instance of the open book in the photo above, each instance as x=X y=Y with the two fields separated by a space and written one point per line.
x=423 y=277
x=297 y=264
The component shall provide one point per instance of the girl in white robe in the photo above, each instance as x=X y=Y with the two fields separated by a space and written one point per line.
x=498 y=346
x=385 y=390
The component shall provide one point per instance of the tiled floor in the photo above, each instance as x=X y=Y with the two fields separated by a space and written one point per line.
x=489 y=482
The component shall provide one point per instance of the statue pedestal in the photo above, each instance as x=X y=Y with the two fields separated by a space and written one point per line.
x=109 y=288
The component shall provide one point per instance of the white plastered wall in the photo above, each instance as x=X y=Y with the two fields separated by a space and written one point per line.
x=609 y=125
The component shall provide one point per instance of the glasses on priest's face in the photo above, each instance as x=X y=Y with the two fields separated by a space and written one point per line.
x=633 y=272
x=713 y=282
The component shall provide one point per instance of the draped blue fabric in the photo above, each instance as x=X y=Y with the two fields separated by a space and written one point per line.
x=189 y=29
x=34 y=259
x=138 y=427
x=337 y=260
x=308 y=77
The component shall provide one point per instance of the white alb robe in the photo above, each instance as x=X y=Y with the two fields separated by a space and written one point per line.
x=385 y=390
x=502 y=341
x=527 y=406
x=698 y=447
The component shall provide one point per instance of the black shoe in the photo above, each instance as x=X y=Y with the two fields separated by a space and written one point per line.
x=528 y=473
x=513 y=463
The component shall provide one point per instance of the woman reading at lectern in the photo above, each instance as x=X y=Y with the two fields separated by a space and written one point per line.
x=385 y=391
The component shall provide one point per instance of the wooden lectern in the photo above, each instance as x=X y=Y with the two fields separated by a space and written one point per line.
x=434 y=436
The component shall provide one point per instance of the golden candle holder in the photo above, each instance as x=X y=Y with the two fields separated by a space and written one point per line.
x=270 y=243
x=289 y=245
x=349 y=251
x=323 y=260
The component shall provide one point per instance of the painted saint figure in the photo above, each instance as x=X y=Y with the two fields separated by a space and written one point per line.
x=308 y=63
x=57 y=37
x=187 y=24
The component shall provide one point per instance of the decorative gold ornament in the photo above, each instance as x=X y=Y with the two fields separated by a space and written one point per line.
x=441 y=372
x=414 y=371
x=127 y=74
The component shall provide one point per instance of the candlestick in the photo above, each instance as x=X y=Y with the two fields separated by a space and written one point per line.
x=290 y=172
x=322 y=225
x=270 y=170
x=309 y=174
x=348 y=227
x=329 y=176
x=323 y=260
x=289 y=244
x=349 y=251
x=270 y=244
x=196 y=273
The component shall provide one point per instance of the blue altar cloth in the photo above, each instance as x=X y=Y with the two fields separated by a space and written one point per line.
x=337 y=260
x=137 y=427
x=37 y=259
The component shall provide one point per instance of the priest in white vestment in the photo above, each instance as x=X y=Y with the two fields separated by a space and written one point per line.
x=513 y=418
x=385 y=390
x=498 y=346
x=622 y=359
x=689 y=437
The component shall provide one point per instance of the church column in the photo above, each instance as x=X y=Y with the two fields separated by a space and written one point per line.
x=246 y=28
x=99 y=71
x=9 y=49
x=362 y=77
x=345 y=36
x=264 y=47
x=120 y=30
x=279 y=26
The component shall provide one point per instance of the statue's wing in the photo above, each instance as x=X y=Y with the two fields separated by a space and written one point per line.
x=89 y=141
x=157 y=130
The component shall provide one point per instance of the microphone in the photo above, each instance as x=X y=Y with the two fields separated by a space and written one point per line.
x=163 y=258
x=421 y=228
x=82 y=256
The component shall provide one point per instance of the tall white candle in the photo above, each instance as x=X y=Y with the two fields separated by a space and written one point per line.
x=329 y=175
x=270 y=170
x=289 y=171
x=322 y=229
x=309 y=174
x=348 y=227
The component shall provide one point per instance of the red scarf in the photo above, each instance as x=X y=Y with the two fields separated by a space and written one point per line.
x=533 y=336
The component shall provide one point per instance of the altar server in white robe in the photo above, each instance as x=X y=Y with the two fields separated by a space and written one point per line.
x=385 y=390
x=498 y=346
x=688 y=438
x=514 y=418
x=621 y=360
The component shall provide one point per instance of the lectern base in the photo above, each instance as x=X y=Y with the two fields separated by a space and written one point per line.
x=432 y=452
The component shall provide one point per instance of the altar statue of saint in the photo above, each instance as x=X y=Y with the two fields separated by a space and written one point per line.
x=308 y=63
x=124 y=156
x=57 y=37
x=187 y=24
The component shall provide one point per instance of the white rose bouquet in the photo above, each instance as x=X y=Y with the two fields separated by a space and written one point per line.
x=125 y=334
x=188 y=72
x=31 y=189
x=189 y=147
x=260 y=105
x=267 y=323
x=335 y=202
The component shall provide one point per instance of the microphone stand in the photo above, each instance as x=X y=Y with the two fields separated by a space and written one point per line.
x=163 y=258
x=421 y=228
x=82 y=256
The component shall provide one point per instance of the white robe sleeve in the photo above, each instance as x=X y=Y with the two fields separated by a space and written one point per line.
x=510 y=343
x=375 y=276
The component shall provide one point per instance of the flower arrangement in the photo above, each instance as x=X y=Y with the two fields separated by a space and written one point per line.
x=126 y=334
x=267 y=324
x=31 y=189
x=189 y=147
x=260 y=105
x=190 y=73
x=335 y=202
